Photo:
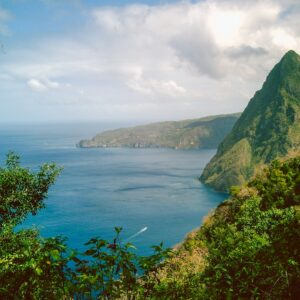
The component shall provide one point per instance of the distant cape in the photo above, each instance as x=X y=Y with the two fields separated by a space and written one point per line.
x=202 y=133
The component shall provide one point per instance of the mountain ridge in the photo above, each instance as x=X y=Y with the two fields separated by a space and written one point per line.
x=267 y=128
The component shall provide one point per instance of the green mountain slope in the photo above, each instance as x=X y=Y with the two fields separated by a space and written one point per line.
x=205 y=132
x=247 y=248
x=268 y=128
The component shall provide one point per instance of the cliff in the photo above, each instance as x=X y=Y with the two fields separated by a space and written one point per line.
x=268 y=128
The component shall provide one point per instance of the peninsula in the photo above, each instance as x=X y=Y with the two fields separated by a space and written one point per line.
x=202 y=133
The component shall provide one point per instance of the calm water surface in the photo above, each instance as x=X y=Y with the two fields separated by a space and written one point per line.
x=103 y=188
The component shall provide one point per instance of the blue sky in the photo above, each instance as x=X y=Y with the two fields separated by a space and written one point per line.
x=34 y=17
x=73 y=60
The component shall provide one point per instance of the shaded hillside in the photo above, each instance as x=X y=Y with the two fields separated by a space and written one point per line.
x=205 y=132
x=268 y=128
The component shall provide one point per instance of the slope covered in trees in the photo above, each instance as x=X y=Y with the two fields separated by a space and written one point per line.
x=200 y=133
x=268 y=128
x=247 y=248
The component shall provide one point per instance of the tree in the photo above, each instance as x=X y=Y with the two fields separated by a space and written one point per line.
x=32 y=267
x=21 y=191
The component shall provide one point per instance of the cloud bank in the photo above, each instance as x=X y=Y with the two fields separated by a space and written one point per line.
x=168 y=61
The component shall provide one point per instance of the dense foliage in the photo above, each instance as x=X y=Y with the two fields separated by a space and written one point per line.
x=30 y=267
x=21 y=191
x=279 y=185
x=256 y=256
x=253 y=240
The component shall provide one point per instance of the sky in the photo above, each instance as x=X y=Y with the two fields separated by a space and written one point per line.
x=143 y=61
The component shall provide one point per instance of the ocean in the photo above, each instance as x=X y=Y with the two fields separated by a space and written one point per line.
x=155 y=191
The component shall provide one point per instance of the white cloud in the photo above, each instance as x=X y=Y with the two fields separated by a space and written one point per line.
x=199 y=35
x=52 y=84
x=152 y=86
x=284 y=39
x=177 y=60
x=42 y=85
x=36 y=85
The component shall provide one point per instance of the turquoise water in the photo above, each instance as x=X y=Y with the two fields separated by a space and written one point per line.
x=103 y=188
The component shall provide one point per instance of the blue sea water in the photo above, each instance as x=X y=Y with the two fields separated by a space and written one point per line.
x=99 y=189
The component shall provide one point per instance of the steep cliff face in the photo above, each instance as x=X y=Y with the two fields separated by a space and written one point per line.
x=268 y=128
x=188 y=134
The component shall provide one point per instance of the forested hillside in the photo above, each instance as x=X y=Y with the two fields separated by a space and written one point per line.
x=200 y=133
x=268 y=128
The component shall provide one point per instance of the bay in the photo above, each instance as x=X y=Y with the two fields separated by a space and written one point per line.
x=153 y=190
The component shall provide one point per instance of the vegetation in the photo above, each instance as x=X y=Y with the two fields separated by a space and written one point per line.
x=269 y=126
x=248 y=248
x=32 y=267
x=189 y=134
